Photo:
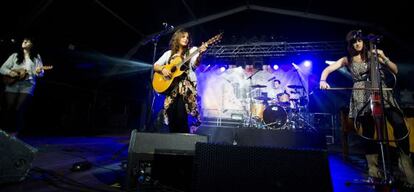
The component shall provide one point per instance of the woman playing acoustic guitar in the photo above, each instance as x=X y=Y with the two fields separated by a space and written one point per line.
x=181 y=99
x=19 y=72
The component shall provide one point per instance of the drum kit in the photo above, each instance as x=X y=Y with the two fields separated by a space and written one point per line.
x=286 y=111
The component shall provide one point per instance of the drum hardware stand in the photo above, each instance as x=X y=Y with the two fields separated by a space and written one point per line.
x=303 y=94
x=249 y=123
x=301 y=119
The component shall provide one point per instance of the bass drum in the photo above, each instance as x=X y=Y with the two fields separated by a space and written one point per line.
x=274 y=117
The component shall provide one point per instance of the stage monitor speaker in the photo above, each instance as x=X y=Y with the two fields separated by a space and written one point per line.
x=164 y=158
x=281 y=138
x=265 y=137
x=220 y=167
x=15 y=159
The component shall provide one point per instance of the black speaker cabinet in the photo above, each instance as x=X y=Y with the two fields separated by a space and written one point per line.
x=265 y=137
x=165 y=159
x=15 y=159
x=220 y=167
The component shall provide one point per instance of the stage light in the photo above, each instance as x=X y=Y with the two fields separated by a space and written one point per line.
x=341 y=70
x=275 y=67
x=222 y=69
x=295 y=66
x=307 y=63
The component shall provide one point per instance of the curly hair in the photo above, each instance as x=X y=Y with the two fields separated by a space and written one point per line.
x=175 y=41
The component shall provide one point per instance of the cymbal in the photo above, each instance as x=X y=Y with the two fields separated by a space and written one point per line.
x=263 y=98
x=295 y=86
x=258 y=86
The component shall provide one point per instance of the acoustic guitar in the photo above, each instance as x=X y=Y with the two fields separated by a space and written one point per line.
x=22 y=74
x=177 y=67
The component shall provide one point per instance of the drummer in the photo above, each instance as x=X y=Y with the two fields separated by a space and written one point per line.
x=275 y=90
x=284 y=100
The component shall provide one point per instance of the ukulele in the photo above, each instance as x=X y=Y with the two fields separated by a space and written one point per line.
x=21 y=75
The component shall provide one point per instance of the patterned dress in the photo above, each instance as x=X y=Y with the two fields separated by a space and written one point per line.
x=360 y=98
x=189 y=93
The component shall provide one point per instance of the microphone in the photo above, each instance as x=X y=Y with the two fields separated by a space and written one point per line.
x=370 y=37
x=271 y=78
x=167 y=26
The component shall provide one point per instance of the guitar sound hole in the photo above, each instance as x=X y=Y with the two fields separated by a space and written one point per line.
x=173 y=69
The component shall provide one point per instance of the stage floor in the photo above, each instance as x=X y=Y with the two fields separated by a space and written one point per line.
x=51 y=170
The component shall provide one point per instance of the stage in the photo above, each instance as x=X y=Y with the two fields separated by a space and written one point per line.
x=51 y=169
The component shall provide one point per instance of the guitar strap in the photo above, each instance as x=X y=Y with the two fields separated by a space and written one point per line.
x=169 y=59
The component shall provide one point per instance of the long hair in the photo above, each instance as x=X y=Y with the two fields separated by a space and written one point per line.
x=33 y=53
x=175 y=41
x=351 y=38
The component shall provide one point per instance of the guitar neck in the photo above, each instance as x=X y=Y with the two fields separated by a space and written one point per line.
x=210 y=41
x=190 y=56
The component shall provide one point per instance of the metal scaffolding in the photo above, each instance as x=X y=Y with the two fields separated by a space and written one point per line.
x=275 y=49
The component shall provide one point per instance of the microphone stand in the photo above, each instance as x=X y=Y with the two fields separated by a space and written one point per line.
x=151 y=93
x=145 y=120
x=250 y=97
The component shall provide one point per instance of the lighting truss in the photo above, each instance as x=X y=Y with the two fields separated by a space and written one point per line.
x=274 y=49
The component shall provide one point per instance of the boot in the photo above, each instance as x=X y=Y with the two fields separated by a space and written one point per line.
x=406 y=166
x=372 y=161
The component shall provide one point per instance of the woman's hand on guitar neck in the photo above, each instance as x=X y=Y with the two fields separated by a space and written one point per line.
x=38 y=70
x=41 y=69
x=203 y=48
